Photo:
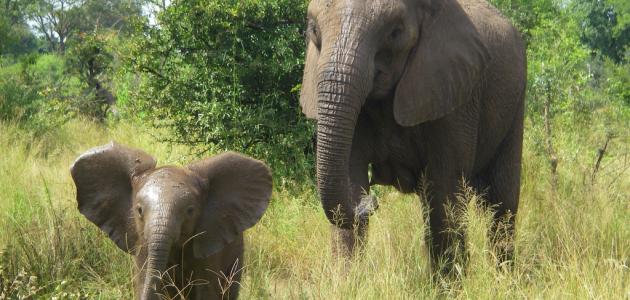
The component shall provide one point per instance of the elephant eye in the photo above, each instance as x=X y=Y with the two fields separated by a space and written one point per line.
x=139 y=209
x=313 y=33
x=190 y=211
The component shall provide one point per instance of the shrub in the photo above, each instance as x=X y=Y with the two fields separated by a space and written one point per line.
x=91 y=59
x=18 y=97
x=37 y=93
x=225 y=74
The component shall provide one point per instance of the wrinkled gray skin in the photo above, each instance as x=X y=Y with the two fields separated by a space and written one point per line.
x=184 y=225
x=412 y=87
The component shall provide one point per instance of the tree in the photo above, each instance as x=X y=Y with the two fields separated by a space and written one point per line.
x=15 y=36
x=11 y=11
x=5 y=28
x=557 y=78
x=606 y=26
x=225 y=74
x=91 y=59
x=56 y=20
x=113 y=14
x=60 y=20
x=527 y=14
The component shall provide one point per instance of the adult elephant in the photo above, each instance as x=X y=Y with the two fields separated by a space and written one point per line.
x=412 y=87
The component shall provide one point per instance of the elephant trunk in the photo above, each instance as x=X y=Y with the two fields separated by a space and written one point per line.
x=343 y=84
x=159 y=242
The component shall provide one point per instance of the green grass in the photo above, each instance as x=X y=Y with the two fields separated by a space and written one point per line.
x=572 y=243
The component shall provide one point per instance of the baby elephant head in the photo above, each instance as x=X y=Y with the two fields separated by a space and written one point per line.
x=208 y=204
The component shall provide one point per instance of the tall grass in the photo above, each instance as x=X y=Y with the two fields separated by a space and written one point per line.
x=572 y=242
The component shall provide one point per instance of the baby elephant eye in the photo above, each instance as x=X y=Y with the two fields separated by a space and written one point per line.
x=396 y=33
x=139 y=209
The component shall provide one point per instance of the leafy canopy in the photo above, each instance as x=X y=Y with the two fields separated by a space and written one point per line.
x=224 y=75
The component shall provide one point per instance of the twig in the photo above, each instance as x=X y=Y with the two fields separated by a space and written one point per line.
x=600 y=155
x=551 y=152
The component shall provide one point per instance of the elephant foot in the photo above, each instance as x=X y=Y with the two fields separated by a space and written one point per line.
x=448 y=260
x=504 y=249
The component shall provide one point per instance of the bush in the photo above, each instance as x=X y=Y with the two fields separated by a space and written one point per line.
x=16 y=37
x=225 y=74
x=18 y=97
x=17 y=101
x=91 y=59
x=37 y=93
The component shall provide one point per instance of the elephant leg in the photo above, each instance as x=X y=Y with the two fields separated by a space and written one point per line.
x=346 y=242
x=445 y=238
x=504 y=176
x=235 y=286
x=450 y=165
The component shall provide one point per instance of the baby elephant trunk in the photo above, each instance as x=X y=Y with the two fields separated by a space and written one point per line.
x=159 y=242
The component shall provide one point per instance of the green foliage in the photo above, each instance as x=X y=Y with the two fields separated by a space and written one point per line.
x=60 y=21
x=606 y=27
x=17 y=99
x=561 y=67
x=55 y=20
x=37 y=93
x=15 y=36
x=116 y=15
x=91 y=58
x=223 y=75
x=19 y=40
x=527 y=14
x=617 y=82
x=44 y=91
x=556 y=67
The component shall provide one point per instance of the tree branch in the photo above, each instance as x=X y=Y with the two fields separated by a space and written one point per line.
x=551 y=152
x=600 y=155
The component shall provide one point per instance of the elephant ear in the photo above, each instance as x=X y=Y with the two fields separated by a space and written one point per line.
x=103 y=178
x=238 y=189
x=443 y=70
x=308 y=94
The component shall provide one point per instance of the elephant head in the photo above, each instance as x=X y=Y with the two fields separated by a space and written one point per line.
x=424 y=55
x=139 y=206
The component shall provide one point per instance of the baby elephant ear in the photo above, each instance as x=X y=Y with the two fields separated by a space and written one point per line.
x=103 y=178
x=237 y=195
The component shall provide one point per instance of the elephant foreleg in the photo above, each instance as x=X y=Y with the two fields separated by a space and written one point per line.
x=444 y=174
x=445 y=238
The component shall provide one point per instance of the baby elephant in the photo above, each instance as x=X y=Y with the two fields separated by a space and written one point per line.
x=184 y=225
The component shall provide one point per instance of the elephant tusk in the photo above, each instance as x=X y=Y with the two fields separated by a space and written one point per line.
x=367 y=207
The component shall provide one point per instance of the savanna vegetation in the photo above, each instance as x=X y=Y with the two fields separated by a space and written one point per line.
x=190 y=78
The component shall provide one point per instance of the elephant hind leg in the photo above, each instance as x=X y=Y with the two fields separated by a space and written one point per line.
x=503 y=179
